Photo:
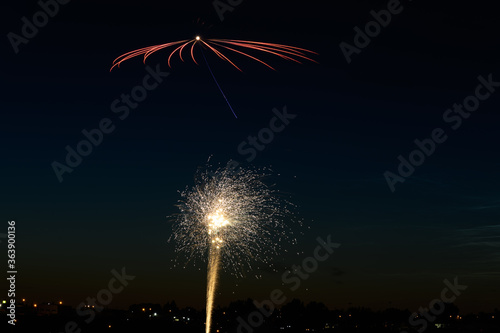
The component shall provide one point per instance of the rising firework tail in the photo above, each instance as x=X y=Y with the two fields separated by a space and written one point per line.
x=217 y=83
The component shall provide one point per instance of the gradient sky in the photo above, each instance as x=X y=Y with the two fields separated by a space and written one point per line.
x=353 y=121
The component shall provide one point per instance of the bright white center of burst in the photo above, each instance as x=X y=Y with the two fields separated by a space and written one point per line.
x=197 y=37
x=216 y=221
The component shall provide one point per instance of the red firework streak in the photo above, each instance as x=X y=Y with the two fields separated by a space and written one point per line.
x=286 y=52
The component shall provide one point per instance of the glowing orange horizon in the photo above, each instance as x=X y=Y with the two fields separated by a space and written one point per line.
x=286 y=52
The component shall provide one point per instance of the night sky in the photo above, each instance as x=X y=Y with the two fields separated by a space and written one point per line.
x=352 y=122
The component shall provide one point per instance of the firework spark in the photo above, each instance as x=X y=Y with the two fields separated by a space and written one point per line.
x=216 y=46
x=234 y=219
x=286 y=52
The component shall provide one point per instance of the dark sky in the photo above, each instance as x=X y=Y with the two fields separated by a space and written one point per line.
x=353 y=121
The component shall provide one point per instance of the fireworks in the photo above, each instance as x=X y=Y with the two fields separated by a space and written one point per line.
x=216 y=46
x=232 y=218
x=235 y=211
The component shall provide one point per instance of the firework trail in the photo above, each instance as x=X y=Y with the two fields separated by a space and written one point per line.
x=212 y=277
x=217 y=83
x=286 y=52
x=232 y=218
x=240 y=47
